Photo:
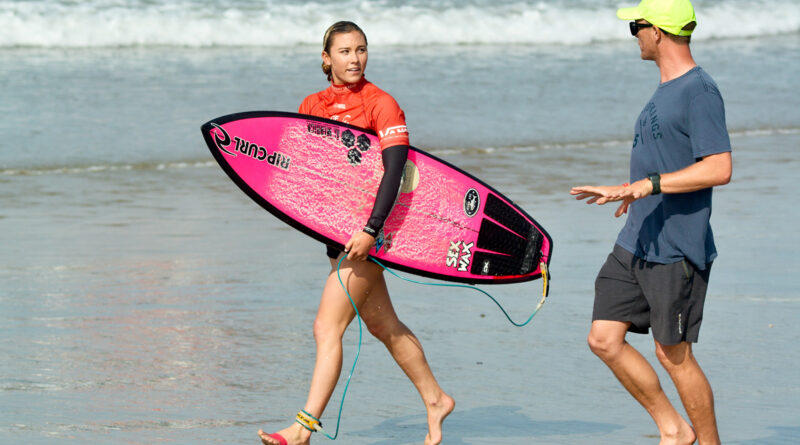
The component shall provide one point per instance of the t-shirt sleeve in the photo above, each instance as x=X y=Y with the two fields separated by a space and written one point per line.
x=708 y=133
x=390 y=122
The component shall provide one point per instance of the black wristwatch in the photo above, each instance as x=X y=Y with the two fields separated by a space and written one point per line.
x=655 y=179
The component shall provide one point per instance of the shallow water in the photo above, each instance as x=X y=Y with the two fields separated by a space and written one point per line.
x=164 y=317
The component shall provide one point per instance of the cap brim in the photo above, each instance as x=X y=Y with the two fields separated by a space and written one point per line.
x=629 y=13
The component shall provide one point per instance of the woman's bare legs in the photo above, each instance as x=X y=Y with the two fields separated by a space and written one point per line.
x=367 y=287
x=381 y=320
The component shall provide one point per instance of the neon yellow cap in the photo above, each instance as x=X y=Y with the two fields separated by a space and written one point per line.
x=670 y=15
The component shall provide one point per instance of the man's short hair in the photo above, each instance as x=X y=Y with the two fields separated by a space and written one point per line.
x=682 y=39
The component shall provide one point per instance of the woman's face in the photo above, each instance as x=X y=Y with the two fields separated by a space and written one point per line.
x=347 y=57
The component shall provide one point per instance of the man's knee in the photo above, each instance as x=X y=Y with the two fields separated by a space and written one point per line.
x=599 y=345
x=602 y=345
x=671 y=356
x=607 y=338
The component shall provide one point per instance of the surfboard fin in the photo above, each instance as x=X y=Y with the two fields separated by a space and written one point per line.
x=545 y=280
x=545 y=288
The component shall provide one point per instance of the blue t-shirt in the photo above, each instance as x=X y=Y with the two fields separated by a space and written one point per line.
x=683 y=122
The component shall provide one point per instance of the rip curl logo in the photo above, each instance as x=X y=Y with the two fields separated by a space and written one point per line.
x=222 y=140
x=459 y=255
x=260 y=153
x=472 y=202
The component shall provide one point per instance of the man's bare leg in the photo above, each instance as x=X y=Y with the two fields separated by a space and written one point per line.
x=693 y=387
x=607 y=341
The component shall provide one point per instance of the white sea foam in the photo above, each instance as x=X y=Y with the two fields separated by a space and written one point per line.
x=204 y=23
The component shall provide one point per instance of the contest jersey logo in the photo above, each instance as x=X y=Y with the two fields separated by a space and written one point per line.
x=472 y=202
x=391 y=131
x=222 y=140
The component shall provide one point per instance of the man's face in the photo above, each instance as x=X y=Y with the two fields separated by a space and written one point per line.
x=647 y=38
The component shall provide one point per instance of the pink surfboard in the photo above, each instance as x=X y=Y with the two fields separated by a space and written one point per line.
x=321 y=177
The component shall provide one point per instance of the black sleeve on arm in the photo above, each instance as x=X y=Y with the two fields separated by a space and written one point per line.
x=394 y=159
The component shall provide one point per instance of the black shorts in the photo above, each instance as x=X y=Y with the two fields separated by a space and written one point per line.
x=668 y=298
x=332 y=252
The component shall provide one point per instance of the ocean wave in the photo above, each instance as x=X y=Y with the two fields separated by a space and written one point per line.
x=209 y=23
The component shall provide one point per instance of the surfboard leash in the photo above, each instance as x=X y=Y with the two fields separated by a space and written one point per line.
x=304 y=418
x=545 y=289
x=313 y=424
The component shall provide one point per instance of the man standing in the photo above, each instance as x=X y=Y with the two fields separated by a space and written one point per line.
x=657 y=274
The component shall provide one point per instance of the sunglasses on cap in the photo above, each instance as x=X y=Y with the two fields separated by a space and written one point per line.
x=635 y=27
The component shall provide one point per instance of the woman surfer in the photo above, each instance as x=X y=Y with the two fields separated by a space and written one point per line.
x=352 y=99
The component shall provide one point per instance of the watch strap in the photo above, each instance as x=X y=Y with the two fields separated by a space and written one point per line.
x=655 y=179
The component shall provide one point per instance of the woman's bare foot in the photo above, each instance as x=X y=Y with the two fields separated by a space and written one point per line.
x=294 y=435
x=437 y=412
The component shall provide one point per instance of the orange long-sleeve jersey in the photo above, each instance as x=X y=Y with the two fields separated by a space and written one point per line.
x=361 y=104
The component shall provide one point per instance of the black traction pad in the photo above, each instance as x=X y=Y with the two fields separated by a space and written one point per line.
x=518 y=250
x=506 y=215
